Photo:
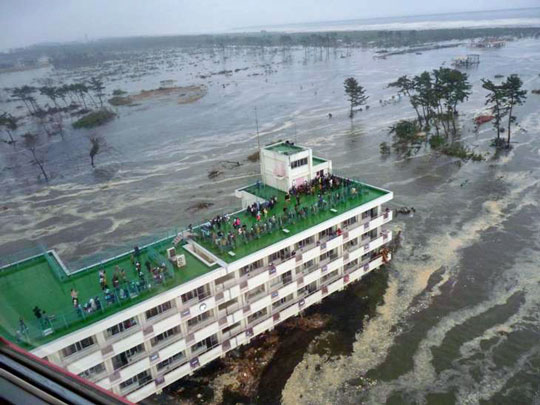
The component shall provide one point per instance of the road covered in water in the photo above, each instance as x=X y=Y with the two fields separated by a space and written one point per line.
x=459 y=320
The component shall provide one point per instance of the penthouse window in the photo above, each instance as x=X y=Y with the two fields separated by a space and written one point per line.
x=162 y=337
x=121 y=327
x=93 y=371
x=126 y=357
x=298 y=163
x=78 y=346
x=158 y=310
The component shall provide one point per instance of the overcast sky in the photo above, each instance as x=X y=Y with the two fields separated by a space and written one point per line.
x=25 y=22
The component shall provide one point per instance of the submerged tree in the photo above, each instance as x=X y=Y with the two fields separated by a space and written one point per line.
x=406 y=87
x=31 y=142
x=94 y=149
x=514 y=96
x=9 y=123
x=451 y=88
x=496 y=100
x=355 y=93
x=97 y=87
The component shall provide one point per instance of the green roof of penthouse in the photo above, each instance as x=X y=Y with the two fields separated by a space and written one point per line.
x=286 y=148
x=243 y=247
x=317 y=160
x=38 y=281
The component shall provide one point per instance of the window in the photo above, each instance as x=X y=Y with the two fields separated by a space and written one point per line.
x=298 y=163
x=305 y=242
x=351 y=264
x=205 y=344
x=282 y=301
x=199 y=318
x=201 y=293
x=137 y=380
x=165 y=335
x=250 y=267
x=166 y=363
x=253 y=293
x=330 y=255
x=78 y=346
x=257 y=315
x=351 y=244
x=159 y=309
x=227 y=305
x=121 y=327
x=231 y=327
x=279 y=255
x=329 y=276
x=93 y=371
x=308 y=265
x=326 y=232
x=126 y=357
x=350 y=221
x=308 y=289
x=286 y=278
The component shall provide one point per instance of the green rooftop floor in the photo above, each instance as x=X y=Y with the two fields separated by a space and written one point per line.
x=33 y=282
x=245 y=248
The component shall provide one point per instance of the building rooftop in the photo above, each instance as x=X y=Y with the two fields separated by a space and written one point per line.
x=41 y=280
x=244 y=247
x=286 y=148
x=317 y=160
x=36 y=282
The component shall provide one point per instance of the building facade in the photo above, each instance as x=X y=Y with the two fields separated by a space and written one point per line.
x=141 y=349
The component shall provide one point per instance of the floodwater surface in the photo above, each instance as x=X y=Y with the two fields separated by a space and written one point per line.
x=460 y=318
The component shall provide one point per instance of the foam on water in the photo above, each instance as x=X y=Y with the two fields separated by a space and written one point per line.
x=401 y=301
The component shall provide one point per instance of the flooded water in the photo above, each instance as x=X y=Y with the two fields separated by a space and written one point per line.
x=459 y=322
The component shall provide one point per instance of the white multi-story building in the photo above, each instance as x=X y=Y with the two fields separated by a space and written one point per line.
x=225 y=291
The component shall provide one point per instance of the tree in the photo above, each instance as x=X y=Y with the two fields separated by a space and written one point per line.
x=425 y=96
x=451 y=88
x=496 y=100
x=9 y=123
x=514 y=96
x=406 y=87
x=30 y=143
x=50 y=92
x=355 y=93
x=97 y=87
x=94 y=149
x=24 y=94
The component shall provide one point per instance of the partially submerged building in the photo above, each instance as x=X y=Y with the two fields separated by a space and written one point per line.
x=141 y=320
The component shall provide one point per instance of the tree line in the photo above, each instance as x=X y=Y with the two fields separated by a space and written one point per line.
x=435 y=97
x=47 y=116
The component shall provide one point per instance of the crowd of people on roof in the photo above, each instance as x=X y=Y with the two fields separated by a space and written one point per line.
x=121 y=289
x=226 y=233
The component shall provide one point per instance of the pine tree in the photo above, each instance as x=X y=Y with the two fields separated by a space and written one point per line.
x=355 y=93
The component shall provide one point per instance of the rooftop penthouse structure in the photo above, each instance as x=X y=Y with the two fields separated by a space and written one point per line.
x=141 y=320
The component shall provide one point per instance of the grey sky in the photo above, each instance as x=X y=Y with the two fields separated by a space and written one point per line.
x=26 y=22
